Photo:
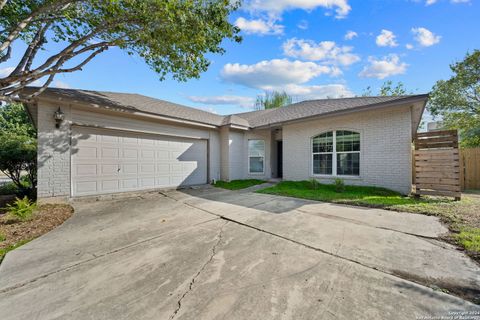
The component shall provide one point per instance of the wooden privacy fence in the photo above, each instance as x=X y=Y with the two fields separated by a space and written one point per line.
x=470 y=168
x=437 y=165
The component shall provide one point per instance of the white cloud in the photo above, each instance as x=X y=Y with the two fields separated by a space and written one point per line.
x=259 y=26
x=303 y=24
x=325 y=51
x=383 y=68
x=350 y=35
x=409 y=46
x=4 y=72
x=425 y=37
x=430 y=2
x=60 y=84
x=245 y=102
x=276 y=72
x=277 y=7
x=386 y=38
x=305 y=92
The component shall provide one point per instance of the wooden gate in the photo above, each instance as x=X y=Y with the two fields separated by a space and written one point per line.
x=437 y=165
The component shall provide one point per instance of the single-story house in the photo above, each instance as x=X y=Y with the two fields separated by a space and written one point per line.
x=92 y=142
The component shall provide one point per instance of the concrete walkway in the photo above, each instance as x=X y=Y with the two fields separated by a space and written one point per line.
x=216 y=254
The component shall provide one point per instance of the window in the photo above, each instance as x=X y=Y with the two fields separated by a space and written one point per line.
x=336 y=153
x=256 y=156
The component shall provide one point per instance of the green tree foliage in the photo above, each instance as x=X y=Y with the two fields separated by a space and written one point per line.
x=14 y=119
x=172 y=37
x=272 y=99
x=457 y=100
x=18 y=154
x=18 y=148
x=388 y=88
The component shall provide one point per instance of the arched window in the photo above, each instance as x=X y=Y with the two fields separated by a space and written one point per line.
x=336 y=153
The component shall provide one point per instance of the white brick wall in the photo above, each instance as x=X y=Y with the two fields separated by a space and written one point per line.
x=262 y=135
x=53 y=153
x=385 y=147
x=238 y=154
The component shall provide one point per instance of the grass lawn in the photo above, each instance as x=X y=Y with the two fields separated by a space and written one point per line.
x=462 y=217
x=238 y=184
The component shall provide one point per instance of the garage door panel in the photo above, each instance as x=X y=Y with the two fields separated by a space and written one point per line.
x=131 y=168
x=86 y=170
x=163 y=155
x=105 y=161
x=86 y=187
x=147 y=168
x=129 y=184
x=130 y=140
x=130 y=153
x=109 y=169
x=147 y=182
x=108 y=153
x=162 y=181
x=87 y=152
x=110 y=185
x=148 y=154
x=106 y=138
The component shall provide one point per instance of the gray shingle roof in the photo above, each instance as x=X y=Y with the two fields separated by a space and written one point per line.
x=135 y=102
x=253 y=119
x=310 y=108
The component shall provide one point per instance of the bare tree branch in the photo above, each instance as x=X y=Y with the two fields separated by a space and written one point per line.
x=84 y=62
x=7 y=55
x=51 y=72
x=31 y=51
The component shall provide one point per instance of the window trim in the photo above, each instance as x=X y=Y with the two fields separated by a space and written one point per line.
x=263 y=157
x=334 y=156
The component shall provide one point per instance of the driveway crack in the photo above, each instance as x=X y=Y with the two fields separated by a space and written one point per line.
x=213 y=252
x=421 y=282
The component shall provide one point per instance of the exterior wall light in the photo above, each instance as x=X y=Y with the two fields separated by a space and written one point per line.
x=58 y=116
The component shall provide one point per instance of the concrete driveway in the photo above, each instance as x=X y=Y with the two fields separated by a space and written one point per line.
x=215 y=254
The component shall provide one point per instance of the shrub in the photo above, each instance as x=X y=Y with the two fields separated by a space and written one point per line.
x=8 y=188
x=21 y=208
x=339 y=185
x=314 y=184
x=2 y=237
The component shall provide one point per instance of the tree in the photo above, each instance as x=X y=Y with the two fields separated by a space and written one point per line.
x=171 y=36
x=388 y=89
x=14 y=119
x=457 y=100
x=272 y=99
x=18 y=154
x=18 y=148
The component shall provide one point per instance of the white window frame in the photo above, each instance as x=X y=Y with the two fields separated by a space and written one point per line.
x=334 y=156
x=249 y=156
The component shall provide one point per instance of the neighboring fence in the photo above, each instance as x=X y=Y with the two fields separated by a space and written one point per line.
x=470 y=168
x=436 y=164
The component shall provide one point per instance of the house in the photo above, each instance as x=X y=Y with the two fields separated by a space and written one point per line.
x=92 y=142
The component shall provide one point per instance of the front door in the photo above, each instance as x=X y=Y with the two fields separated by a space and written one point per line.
x=280 y=158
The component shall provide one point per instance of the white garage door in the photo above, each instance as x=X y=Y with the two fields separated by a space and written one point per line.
x=109 y=161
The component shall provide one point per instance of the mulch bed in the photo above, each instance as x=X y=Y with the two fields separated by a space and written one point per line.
x=45 y=218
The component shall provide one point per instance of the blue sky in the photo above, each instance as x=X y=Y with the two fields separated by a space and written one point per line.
x=302 y=47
